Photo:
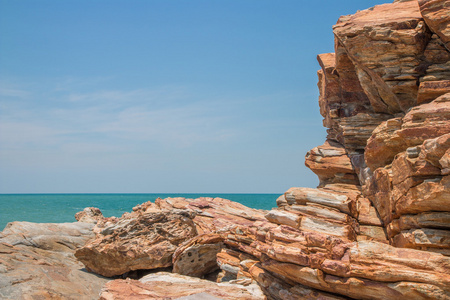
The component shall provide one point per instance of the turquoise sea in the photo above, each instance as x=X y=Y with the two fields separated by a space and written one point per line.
x=58 y=208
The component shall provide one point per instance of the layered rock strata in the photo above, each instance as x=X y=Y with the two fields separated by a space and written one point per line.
x=173 y=286
x=384 y=96
x=378 y=225
x=146 y=241
x=148 y=237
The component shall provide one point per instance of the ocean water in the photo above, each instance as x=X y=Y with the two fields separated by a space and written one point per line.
x=59 y=208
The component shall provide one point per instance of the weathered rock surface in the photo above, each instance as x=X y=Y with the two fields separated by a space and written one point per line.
x=331 y=164
x=198 y=256
x=384 y=96
x=346 y=109
x=146 y=241
x=213 y=214
x=331 y=264
x=89 y=215
x=378 y=225
x=385 y=44
x=37 y=262
x=279 y=289
x=435 y=13
x=174 y=286
x=422 y=122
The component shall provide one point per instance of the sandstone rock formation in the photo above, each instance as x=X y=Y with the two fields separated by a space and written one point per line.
x=173 y=286
x=145 y=241
x=37 y=262
x=435 y=13
x=384 y=168
x=148 y=237
x=213 y=214
x=198 y=256
x=378 y=225
x=89 y=215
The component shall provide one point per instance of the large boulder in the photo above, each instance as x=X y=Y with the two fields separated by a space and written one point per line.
x=37 y=262
x=143 y=241
x=213 y=214
x=198 y=256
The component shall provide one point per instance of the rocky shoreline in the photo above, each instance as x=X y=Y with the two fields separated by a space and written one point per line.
x=377 y=227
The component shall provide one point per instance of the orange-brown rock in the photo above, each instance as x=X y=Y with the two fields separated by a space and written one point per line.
x=332 y=264
x=433 y=150
x=342 y=99
x=357 y=288
x=422 y=122
x=213 y=214
x=335 y=209
x=435 y=13
x=435 y=240
x=146 y=241
x=439 y=220
x=280 y=289
x=198 y=256
x=287 y=244
x=370 y=270
x=331 y=164
x=340 y=225
x=341 y=201
x=385 y=44
x=367 y=214
x=430 y=90
x=346 y=109
x=174 y=286
x=436 y=68
x=229 y=262
x=430 y=195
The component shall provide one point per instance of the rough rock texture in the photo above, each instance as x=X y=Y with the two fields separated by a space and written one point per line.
x=173 y=286
x=435 y=13
x=89 y=215
x=198 y=256
x=384 y=169
x=37 y=262
x=213 y=214
x=422 y=122
x=378 y=225
x=148 y=237
x=331 y=164
x=353 y=269
x=144 y=241
x=385 y=45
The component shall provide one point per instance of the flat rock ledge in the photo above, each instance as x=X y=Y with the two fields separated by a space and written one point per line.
x=37 y=262
x=165 y=285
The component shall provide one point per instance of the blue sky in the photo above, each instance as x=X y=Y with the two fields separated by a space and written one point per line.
x=161 y=96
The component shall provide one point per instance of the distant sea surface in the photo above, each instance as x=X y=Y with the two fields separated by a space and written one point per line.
x=60 y=208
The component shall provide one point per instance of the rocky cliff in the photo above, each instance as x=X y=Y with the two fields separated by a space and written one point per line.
x=378 y=225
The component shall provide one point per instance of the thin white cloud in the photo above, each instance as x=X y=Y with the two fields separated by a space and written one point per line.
x=165 y=116
x=10 y=90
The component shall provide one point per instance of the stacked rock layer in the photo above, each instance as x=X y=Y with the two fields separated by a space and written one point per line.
x=377 y=227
